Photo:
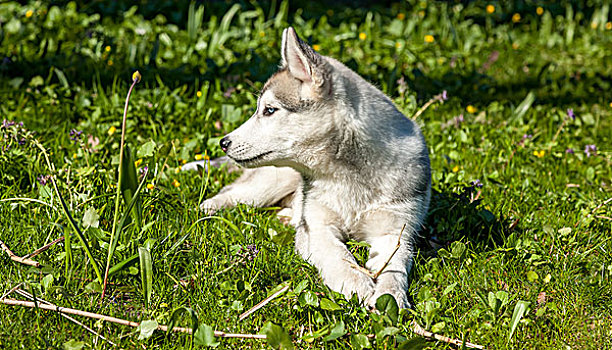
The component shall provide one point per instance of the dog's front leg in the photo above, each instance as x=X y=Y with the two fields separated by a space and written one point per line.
x=258 y=187
x=382 y=229
x=320 y=243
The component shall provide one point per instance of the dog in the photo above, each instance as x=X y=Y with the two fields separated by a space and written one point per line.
x=333 y=148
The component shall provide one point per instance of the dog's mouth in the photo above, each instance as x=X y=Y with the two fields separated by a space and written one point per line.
x=252 y=159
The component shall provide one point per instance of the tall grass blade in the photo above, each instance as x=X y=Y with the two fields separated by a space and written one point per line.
x=129 y=184
x=522 y=108
x=146 y=274
x=519 y=311
x=71 y=220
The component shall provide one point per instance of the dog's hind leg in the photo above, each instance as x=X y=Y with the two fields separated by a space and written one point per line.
x=260 y=187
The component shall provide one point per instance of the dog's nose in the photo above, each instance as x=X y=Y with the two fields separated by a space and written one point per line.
x=225 y=143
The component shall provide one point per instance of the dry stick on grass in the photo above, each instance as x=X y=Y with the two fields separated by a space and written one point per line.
x=42 y=249
x=16 y=258
x=417 y=329
x=70 y=311
x=29 y=296
x=438 y=98
x=399 y=240
x=11 y=291
x=375 y=276
x=262 y=303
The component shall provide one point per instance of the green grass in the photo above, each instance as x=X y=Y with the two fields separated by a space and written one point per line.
x=537 y=233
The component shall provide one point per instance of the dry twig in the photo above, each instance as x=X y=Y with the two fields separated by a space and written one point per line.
x=116 y=320
x=417 y=329
x=399 y=241
x=262 y=303
x=16 y=258
x=375 y=276
x=31 y=297
x=43 y=248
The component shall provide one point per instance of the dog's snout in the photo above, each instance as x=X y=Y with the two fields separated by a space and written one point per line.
x=225 y=143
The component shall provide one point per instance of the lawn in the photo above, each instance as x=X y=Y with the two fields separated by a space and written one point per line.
x=517 y=249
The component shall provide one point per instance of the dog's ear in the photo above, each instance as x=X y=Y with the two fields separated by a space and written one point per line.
x=304 y=63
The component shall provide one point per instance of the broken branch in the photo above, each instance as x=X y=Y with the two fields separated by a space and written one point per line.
x=116 y=320
x=16 y=258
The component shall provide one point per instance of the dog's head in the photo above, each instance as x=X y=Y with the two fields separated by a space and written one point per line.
x=294 y=109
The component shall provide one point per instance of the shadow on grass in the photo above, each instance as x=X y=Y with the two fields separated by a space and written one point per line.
x=460 y=216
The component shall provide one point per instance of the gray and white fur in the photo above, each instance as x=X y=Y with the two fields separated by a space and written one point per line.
x=334 y=149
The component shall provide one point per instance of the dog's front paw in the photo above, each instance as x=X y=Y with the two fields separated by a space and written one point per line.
x=352 y=282
x=196 y=165
x=400 y=296
x=210 y=206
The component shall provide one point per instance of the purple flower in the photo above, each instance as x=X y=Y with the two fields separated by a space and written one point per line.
x=401 y=82
x=570 y=113
x=75 y=135
x=251 y=252
x=527 y=136
x=590 y=150
x=441 y=97
x=477 y=183
x=42 y=179
x=569 y=151
x=228 y=93
x=248 y=252
x=7 y=123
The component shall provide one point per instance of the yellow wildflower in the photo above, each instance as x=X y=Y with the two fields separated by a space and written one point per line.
x=610 y=105
x=316 y=47
x=198 y=156
x=609 y=25
x=178 y=169
x=362 y=36
x=515 y=46
x=199 y=93
x=490 y=8
x=470 y=109
x=429 y=38
x=150 y=186
x=138 y=162
x=516 y=17
x=111 y=130
x=540 y=11
x=29 y=13
x=74 y=156
x=594 y=25
x=175 y=183
x=107 y=48
x=539 y=154
x=183 y=161
x=110 y=62
x=136 y=77
x=262 y=34
x=455 y=168
x=401 y=16
x=398 y=45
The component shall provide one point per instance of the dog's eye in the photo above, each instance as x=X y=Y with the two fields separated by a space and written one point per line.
x=268 y=111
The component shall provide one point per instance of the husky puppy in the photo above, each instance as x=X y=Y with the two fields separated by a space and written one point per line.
x=348 y=163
